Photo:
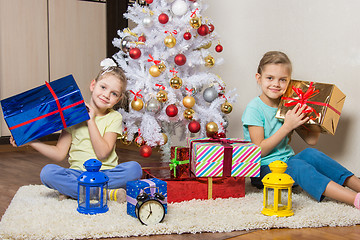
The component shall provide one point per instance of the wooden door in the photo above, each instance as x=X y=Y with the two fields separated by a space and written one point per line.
x=23 y=48
x=77 y=39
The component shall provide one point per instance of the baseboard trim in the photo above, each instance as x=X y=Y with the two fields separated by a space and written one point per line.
x=52 y=137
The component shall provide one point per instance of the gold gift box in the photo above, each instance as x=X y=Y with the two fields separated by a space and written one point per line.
x=326 y=101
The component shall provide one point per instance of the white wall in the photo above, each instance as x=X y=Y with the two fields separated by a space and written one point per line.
x=321 y=37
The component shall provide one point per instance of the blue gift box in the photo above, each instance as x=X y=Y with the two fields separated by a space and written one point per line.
x=149 y=186
x=44 y=110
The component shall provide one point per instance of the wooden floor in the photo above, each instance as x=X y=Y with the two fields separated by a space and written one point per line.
x=22 y=166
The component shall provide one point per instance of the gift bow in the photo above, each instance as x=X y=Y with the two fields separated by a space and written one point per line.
x=303 y=99
x=174 y=162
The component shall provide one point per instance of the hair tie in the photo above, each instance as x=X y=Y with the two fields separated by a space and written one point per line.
x=107 y=63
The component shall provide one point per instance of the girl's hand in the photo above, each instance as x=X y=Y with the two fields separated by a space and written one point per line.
x=295 y=117
x=90 y=111
x=12 y=141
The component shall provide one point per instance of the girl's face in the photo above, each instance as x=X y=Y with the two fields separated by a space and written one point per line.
x=273 y=82
x=106 y=92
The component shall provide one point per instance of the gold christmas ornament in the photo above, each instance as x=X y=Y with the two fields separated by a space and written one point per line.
x=195 y=22
x=189 y=113
x=137 y=104
x=170 y=41
x=154 y=71
x=189 y=101
x=206 y=46
x=209 y=61
x=124 y=140
x=161 y=96
x=226 y=107
x=165 y=138
x=139 y=141
x=176 y=82
x=212 y=128
x=161 y=67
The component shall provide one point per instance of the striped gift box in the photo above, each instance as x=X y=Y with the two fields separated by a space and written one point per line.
x=209 y=158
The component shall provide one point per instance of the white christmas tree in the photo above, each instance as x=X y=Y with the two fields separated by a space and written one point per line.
x=169 y=59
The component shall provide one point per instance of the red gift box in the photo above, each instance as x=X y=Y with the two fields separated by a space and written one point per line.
x=179 y=165
x=205 y=188
x=185 y=189
x=182 y=153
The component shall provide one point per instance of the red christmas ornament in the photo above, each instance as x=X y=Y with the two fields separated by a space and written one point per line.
x=187 y=36
x=194 y=126
x=192 y=0
x=142 y=38
x=210 y=135
x=203 y=30
x=180 y=59
x=171 y=110
x=163 y=18
x=221 y=135
x=135 y=53
x=148 y=1
x=218 y=48
x=145 y=151
x=211 y=28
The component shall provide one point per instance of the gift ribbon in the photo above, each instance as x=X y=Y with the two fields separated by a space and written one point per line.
x=210 y=187
x=152 y=187
x=60 y=110
x=228 y=149
x=174 y=162
x=303 y=98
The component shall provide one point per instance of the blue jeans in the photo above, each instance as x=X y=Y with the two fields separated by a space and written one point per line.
x=65 y=179
x=312 y=170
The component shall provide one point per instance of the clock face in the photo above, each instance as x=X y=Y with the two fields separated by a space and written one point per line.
x=151 y=212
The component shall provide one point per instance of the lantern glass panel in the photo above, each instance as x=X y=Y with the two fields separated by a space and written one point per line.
x=82 y=196
x=95 y=197
x=283 y=201
x=104 y=195
x=270 y=198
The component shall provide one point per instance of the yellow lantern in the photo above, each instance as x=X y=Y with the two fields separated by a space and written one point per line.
x=277 y=191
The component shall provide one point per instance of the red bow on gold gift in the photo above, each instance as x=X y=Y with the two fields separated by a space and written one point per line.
x=303 y=99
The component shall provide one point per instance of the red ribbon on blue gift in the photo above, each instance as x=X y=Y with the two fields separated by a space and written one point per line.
x=303 y=98
x=59 y=110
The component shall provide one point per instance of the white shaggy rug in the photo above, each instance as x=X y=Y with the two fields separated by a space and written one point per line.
x=36 y=213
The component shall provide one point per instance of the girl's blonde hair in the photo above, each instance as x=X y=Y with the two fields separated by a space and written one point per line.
x=274 y=57
x=118 y=73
